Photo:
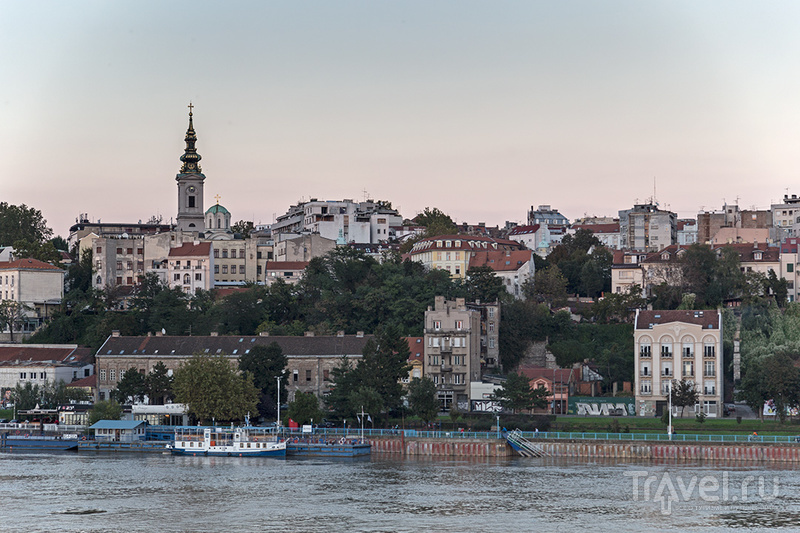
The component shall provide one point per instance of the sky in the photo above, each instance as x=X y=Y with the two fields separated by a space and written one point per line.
x=482 y=109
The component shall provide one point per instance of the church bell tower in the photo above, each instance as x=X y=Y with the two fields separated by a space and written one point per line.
x=190 y=185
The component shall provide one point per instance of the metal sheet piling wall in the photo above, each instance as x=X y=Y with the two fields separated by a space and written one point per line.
x=778 y=453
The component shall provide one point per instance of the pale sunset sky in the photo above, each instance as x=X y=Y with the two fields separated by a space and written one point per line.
x=481 y=109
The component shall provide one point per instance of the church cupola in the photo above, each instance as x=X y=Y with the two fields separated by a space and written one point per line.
x=190 y=158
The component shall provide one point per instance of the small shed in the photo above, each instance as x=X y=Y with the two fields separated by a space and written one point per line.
x=119 y=430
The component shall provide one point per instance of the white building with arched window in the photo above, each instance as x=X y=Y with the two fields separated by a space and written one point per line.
x=190 y=267
x=678 y=345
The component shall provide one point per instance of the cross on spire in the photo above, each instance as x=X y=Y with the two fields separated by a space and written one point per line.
x=217 y=196
x=190 y=108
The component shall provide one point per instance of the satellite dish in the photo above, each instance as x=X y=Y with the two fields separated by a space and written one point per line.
x=163 y=331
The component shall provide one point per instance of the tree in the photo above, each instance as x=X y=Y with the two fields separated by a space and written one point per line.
x=684 y=394
x=212 y=389
x=12 y=314
x=422 y=398
x=22 y=223
x=26 y=396
x=384 y=362
x=266 y=363
x=305 y=408
x=43 y=251
x=775 y=378
x=484 y=285
x=158 y=384
x=244 y=227
x=131 y=387
x=550 y=286
x=516 y=394
x=55 y=393
x=105 y=410
x=343 y=382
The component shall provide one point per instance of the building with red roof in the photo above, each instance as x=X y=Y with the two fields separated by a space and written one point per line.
x=37 y=285
x=190 y=267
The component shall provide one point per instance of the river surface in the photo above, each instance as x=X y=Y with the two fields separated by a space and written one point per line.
x=97 y=492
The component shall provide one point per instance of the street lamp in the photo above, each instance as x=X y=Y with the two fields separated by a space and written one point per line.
x=669 y=426
x=278 y=422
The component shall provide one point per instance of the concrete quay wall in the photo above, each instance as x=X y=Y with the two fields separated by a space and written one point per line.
x=441 y=447
x=756 y=452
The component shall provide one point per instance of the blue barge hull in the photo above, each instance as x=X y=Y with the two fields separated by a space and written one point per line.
x=11 y=443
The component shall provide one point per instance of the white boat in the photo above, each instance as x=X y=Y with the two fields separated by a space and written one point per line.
x=232 y=442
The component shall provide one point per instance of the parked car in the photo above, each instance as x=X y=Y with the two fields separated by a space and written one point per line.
x=728 y=409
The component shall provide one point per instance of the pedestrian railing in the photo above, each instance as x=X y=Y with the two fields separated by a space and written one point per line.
x=540 y=435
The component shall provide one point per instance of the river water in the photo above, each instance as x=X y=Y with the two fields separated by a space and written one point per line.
x=97 y=492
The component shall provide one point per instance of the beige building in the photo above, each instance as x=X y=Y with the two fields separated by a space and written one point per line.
x=35 y=284
x=190 y=267
x=452 y=350
x=310 y=359
x=303 y=247
x=676 y=345
x=452 y=253
x=626 y=271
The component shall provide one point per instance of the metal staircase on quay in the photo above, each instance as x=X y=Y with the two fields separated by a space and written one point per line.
x=523 y=446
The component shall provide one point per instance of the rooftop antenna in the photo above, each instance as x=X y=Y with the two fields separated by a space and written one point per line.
x=655 y=202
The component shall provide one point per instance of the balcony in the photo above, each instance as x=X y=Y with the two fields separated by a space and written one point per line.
x=446 y=368
x=646 y=393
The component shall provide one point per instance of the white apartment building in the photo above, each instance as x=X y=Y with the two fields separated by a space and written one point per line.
x=674 y=345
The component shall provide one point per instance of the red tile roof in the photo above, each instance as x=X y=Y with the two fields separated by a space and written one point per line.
x=27 y=264
x=500 y=260
x=35 y=353
x=417 y=348
x=523 y=230
x=598 y=228
x=202 y=249
x=90 y=381
x=706 y=319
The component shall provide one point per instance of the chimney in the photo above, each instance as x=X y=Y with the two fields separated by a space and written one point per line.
x=309 y=333
x=264 y=334
x=340 y=333
x=159 y=334
x=360 y=334
x=115 y=333
x=214 y=334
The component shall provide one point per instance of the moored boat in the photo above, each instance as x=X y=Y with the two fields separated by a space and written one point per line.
x=234 y=442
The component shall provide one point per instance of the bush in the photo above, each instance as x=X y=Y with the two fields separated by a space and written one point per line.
x=700 y=417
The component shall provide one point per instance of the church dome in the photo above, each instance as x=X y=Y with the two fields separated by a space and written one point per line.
x=217 y=209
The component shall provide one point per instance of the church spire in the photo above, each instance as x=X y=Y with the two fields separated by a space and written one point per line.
x=190 y=158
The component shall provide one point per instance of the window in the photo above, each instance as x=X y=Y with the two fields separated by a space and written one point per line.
x=459 y=324
x=435 y=360
x=645 y=388
x=308 y=375
x=491 y=342
x=191 y=201
x=233 y=253
x=176 y=277
x=112 y=375
x=491 y=312
x=458 y=379
x=295 y=376
x=198 y=277
x=437 y=325
x=790 y=267
x=119 y=265
x=688 y=368
x=129 y=251
x=140 y=251
x=224 y=269
x=130 y=265
x=224 y=253
x=644 y=350
x=325 y=374
x=216 y=269
x=119 y=280
x=103 y=374
x=119 y=251
x=216 y=253
x=491 y=327
x=709 y=368
x=666 y=349
x=99 y=249
x=241 y=269
x=258 y=270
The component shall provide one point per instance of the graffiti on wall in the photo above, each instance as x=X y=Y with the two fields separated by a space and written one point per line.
x=601 y=407
x=487 y=406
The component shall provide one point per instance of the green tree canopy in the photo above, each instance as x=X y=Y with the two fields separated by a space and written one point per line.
x=158 y=384
x=105 y=410
x=266 y=363
x=20 y=223
x=422 y=398
x=305 y=408
x=213 y=390
x=684 y=394
x=516 y=394
x=131 y=388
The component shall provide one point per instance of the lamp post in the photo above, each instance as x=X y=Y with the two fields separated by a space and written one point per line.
x=669 y=426
x=278 y=422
